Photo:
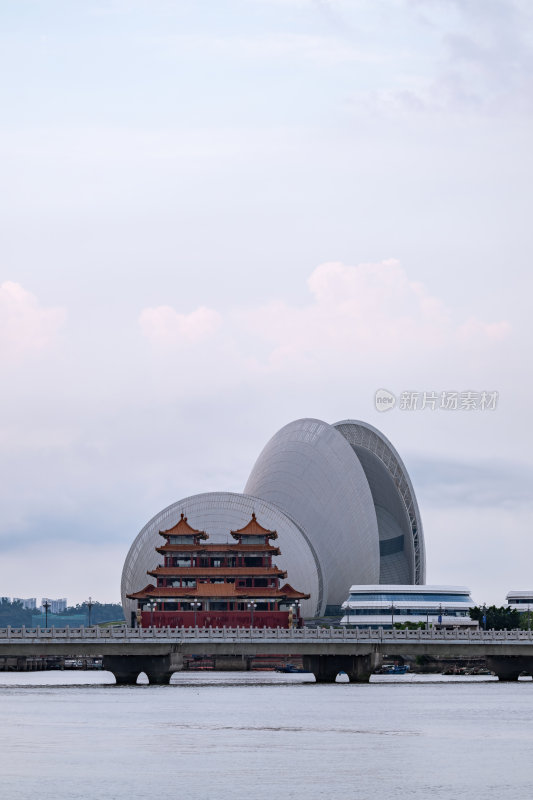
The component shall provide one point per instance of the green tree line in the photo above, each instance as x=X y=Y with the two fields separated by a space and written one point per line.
x=14 y=614
x=498 y=619
x=502 y=618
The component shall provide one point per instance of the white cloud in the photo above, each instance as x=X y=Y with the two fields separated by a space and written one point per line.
x=367 y=314
x=25 y=326
x=163 y=325
x=368 y=311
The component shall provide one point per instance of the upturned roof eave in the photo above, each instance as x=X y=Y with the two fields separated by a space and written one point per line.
x=221 y=572
x=206 y=591
x=253 y=528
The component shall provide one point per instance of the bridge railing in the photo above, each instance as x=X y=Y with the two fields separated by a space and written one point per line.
x=121 y=632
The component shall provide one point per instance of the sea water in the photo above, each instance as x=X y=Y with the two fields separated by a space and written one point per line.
x=261 y=735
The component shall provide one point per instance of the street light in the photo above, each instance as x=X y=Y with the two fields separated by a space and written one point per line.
x=440 y=614
x=251 y=606
x=152 y=605
x=392 y=615
x=196 y=605
x=296 y=607
x=90 y=604
x=46 y=606
x=484 y=619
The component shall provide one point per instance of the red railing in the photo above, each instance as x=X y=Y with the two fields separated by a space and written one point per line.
x=215 y=619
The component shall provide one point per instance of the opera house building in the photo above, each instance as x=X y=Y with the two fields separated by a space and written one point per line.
x=338 y=497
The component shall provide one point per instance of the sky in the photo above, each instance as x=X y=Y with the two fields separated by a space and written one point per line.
x=217 y=218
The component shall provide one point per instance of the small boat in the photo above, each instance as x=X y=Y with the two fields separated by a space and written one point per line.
x=393 y=669
x=289 y=668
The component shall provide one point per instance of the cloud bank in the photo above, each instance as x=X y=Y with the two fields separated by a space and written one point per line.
x=25 y=326
x=370 y=311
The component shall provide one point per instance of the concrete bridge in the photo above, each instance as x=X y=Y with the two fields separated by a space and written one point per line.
x=159 y=652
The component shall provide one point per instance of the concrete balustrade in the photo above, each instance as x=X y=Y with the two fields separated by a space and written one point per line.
x=300 y=634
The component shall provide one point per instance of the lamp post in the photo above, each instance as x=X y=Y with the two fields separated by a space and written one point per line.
x=484 y=618
x=294 y=611
x=195 y=606
x=440 y=614
x=46 y=606
x=90 y=604
x=251 y=606
x=528 y=619
x=152 y=605
x=392 y=615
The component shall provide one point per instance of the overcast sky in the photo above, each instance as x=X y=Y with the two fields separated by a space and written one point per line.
x=217 y=217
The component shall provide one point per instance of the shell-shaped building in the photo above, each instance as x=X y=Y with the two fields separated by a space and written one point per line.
x=340 y=499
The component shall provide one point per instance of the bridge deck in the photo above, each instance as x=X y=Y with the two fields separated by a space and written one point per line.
x=122 y=639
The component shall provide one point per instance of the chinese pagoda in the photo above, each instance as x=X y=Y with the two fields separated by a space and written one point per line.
x=217 y=585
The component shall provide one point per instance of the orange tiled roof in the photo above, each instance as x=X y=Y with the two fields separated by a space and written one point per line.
x=253 y=528
x=182 y=528
x=293 y=594
x=208 y=590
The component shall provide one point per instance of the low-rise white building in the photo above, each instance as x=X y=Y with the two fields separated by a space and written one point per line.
x=383 y=606
x=520 y=600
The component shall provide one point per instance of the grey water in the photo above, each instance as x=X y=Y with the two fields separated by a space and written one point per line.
x=76 y=735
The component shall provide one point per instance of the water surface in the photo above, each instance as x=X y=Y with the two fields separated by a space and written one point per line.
x=263 y=735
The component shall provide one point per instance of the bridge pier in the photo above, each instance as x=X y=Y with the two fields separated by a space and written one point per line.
x=232 y=663
x=508 y=668
x=326 y=668
x=159 y=669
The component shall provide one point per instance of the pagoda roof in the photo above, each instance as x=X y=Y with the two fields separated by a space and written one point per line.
x=182 y=528
x=208 y=590
x=293 y=594
x=253 y=528
x=230 y=572
x=231 y=547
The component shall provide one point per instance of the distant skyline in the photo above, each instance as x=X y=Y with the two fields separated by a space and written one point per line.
x=218 y=218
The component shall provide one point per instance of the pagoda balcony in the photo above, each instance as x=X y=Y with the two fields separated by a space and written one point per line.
x=221 y=549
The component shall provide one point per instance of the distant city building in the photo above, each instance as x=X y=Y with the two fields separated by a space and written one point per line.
x=381 y=606
x=29 y=602
x=217 y=585
x=521 y=600
x=55 y=606
x=338 y=495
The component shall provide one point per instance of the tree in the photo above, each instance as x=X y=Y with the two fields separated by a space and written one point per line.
x=409 y=626
x=100 y=612
x=526 y=620
x=498 y=619
x=14 y=614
